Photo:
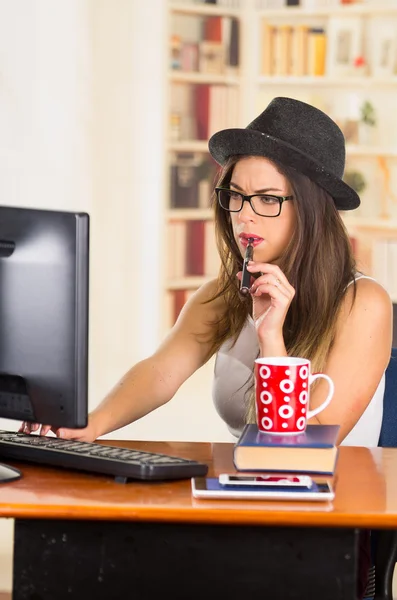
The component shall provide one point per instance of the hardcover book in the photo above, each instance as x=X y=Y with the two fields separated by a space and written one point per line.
x=312 y=451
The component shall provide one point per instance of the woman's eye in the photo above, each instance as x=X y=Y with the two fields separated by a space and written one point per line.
x=268 y=199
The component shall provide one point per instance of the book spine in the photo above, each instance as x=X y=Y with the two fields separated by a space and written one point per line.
x=195 y=231
x=267 y=48
x=176 y=234
x=316 y=48
x=184 y=190
x=202 y=109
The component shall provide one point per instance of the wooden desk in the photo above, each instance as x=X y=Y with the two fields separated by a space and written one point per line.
x=84 y=536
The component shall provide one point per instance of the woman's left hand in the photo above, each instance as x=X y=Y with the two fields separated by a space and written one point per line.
x=272 y=295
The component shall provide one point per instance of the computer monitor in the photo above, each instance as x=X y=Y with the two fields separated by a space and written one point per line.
x=44 y=275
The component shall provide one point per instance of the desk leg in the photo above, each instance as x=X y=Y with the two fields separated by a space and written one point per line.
x=100 y=560
x=385 y=561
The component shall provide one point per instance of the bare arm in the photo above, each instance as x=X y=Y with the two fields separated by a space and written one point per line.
x=155 y=380
x=152 y=382
x=358 y=358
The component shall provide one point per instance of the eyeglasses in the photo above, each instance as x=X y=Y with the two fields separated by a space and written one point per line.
x=262 y=204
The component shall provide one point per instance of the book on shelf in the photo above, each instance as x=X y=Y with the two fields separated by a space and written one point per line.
x=198 y=110
x=293 y=49
x=176 y=301
x=211 y=57
x=191 y=177
x=212 y=29
x=234 y=43
x=182 y=118
x=212 y=260
x=184 y=180
x=195 y=234
x=216 y=107
x=312 y=451
x=202 y=109
x=281 y=50
x=316 y=51
x=192 y=249
x=176 y=249
x=299 y=50
x=189 y=57
x=211 y=47
x=285 y=49
x=267 y=48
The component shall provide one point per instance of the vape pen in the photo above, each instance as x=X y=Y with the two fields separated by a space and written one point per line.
x=246 y=277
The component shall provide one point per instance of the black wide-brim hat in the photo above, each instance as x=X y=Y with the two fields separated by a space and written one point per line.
x=297 y=135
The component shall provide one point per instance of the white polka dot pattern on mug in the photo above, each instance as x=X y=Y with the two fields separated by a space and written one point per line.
x=266 y=423
x=287 y=412
x=304 y=372
x=287 y=386
x=265 y=372
x=303 y=397
x=266 y=397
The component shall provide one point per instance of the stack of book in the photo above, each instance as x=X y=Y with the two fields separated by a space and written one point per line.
x=293 y=49
x=313 y=451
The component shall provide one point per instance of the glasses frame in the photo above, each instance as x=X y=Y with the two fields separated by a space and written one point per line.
x=281 y=200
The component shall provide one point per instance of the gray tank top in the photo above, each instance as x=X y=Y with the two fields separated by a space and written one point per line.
x=233 y=380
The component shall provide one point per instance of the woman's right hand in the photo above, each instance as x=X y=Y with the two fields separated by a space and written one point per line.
x=86 y=434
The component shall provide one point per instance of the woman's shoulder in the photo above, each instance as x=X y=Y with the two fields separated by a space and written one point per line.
x=368 y=287
x=369 y=295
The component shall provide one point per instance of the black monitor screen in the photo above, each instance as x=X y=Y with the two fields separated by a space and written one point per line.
x=44 y=258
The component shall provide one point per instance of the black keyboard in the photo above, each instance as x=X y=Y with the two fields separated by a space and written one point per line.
x=121 y=463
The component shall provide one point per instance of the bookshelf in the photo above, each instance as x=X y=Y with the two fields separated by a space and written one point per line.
x=338 y=9
x=337 y=67
x=323 y=81
x=205 y=76
x=339 y=86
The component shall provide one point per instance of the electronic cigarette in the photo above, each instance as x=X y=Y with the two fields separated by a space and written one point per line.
x=246 y=277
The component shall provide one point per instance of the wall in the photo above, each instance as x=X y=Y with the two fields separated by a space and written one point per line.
x=82 y=90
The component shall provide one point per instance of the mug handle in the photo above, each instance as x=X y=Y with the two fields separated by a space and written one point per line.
x=312 y=378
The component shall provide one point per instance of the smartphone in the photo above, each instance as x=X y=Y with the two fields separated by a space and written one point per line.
x=300 y=481
x=211 y=488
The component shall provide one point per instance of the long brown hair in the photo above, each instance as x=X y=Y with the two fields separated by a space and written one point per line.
x=318 y=263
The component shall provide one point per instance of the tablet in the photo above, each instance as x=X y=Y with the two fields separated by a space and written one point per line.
x=210 y=487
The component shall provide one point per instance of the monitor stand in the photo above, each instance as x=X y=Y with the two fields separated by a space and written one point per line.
x=8 y=473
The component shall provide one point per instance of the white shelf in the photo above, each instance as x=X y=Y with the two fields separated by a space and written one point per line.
x=187 y=283
x=327 y=81
x=370 y=224
x=189 y=214
x=351 y=149
x=358 y=9
x=204 y=10
x=176 y=76
x=356 y=150
x=189 y=146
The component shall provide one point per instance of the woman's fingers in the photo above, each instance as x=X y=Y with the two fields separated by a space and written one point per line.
x=27 y=427
x=271 y=275
x=45 y=429
x=271 y=289
x=266 y=269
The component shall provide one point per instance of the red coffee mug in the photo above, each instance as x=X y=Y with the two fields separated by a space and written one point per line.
x=282 y=393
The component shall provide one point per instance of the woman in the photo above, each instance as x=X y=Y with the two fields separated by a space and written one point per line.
x=280 y=183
